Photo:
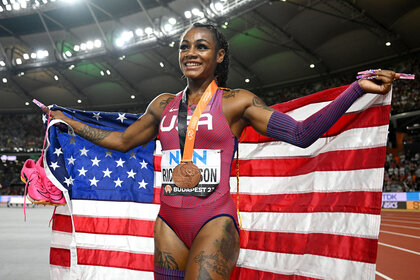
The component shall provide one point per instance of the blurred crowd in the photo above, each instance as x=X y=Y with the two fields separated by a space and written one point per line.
x=402 y=173
x=21 y=133
x=10 y=183
x=24 y=133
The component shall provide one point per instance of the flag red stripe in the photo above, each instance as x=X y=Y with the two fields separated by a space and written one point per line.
x=247 y=273
x=329 y=161
x=371 y=117
x=62 y=223
x=59 y=256
x=112 y=226
x=353 y=202
x=134 y=261
x=339 y=246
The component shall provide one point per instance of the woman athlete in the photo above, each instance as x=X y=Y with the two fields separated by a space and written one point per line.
x=197 y=237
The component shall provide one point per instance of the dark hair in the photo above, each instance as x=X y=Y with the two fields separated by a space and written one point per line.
x=222 y=69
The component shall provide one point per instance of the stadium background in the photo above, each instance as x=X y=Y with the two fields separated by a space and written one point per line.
x=118 y=55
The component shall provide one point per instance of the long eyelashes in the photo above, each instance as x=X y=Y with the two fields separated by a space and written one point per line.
x=199 y=47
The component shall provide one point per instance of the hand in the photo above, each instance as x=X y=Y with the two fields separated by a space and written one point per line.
x=57 y=114
x=380 y=82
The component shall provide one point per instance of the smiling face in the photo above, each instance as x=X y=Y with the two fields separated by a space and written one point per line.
x=198 y=54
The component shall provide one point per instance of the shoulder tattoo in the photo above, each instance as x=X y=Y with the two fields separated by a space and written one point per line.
x=165 y=102
x=257 y=102
x=230 y=93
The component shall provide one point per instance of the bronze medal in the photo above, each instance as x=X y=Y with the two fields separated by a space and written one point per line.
x=186 y=175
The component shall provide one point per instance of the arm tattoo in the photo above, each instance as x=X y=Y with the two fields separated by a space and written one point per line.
x=93 y=134
x=165 y=102
x=165 y=259
x=257 y=102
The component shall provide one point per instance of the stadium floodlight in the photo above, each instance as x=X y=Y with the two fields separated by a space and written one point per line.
x=33 y=55
x=108 y=72
x=119 y=42
x=216 y=7
x=4 y=80
x=45 y=1
x=148 y=30
x=127 y=35
x=1 y=9
x=2 y=63
x=172 y=20
x=68 y=53
x=89 y=45
x=139 y=32
x=388 y=44
x=247 y=80
x=172 y=44
x=133 y=96
x=97 y=43
x=23 y=5
x=187 y=14
x=40 y=54
x=71 y=67
x=83 y=46
x=76 y=48
x=102 y=73
x=312 y=65
x=195 y=12
x=161 y=64
x=56 y=77
x=8 y=7
x=167 y=27
x=5 y=2
x=25 y=56
x=27 y=103
x=18 y=61
x=79 y=101
x=16 y=6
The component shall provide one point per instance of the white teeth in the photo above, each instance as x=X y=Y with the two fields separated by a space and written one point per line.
x=192 y=64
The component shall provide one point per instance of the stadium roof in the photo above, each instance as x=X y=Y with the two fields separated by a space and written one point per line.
x=101 y=53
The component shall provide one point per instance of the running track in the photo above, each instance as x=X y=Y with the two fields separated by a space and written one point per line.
x=399 y=246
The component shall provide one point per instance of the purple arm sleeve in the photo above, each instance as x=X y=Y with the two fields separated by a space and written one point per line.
x=303 y=133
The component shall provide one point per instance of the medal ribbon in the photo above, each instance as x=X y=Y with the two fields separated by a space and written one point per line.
x=189 y=135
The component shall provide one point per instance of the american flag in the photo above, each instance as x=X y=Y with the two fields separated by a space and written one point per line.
x=310 y=213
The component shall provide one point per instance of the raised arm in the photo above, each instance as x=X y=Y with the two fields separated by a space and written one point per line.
x=303 y=133
x=140 y=132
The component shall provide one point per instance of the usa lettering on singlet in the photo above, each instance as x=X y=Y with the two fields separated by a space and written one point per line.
x=207 y=160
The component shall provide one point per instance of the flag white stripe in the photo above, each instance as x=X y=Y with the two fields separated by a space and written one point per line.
x=115 y=209
x=362 y=225
x=60 y=239
x=320 y=181
x=305 y=265
x=351 y=139
x=100 y=272
x=124 y=243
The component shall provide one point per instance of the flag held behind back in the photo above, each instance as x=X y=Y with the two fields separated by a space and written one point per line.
x=309 y=213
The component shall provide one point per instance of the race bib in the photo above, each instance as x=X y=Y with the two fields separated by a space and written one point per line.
x=208 y=161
